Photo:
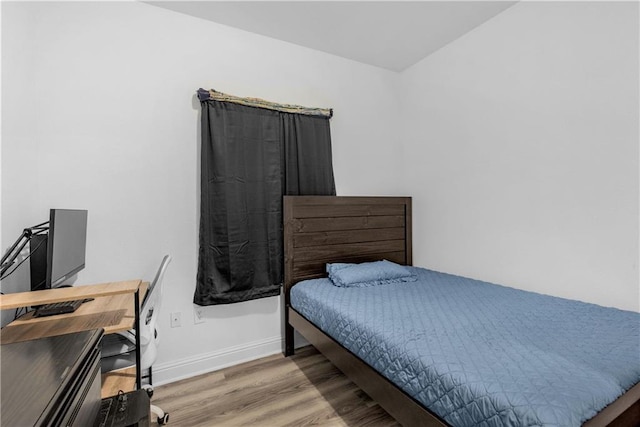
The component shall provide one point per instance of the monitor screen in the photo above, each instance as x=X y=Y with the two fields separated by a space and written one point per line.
x=66 y=244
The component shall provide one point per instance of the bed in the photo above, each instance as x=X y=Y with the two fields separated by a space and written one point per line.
x=330 y=229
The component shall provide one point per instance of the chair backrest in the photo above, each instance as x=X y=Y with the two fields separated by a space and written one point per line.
x=121 y=355
x=153 y=296
x=151 y=304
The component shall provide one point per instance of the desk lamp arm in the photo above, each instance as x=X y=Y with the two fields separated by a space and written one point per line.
x=10 y=256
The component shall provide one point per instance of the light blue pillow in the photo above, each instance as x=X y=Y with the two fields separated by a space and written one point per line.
x=369 y=274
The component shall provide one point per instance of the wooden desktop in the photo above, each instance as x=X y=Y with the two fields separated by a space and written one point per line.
x=113 y=309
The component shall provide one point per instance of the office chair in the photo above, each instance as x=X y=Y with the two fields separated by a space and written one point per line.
x=118 y=350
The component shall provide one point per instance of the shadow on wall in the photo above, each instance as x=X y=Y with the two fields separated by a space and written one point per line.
x=269 y=305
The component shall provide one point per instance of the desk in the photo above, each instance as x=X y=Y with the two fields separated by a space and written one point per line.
x=113 y=309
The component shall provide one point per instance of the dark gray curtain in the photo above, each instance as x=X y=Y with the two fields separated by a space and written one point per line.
x=251 y=157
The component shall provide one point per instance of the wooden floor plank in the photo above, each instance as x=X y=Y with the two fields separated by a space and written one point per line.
x=302 y=390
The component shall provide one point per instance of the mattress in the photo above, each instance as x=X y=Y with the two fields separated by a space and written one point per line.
x=480 y=354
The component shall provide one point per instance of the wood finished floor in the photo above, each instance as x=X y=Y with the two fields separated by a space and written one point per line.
x=302 y=390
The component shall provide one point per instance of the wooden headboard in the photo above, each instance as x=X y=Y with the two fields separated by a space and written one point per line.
x=322 y=229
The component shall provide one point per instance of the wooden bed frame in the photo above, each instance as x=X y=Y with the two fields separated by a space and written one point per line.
x=322 y=229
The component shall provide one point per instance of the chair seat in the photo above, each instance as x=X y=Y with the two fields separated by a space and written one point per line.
x=115 y=344
x=119 y=361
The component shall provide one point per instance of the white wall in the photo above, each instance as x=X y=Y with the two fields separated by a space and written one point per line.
x=100 y=97
x=19 y=206
x=522 y=151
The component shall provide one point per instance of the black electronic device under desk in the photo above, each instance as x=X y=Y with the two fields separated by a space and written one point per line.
x=125 y=410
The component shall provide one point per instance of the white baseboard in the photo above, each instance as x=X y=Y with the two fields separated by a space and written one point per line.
x=169 y=372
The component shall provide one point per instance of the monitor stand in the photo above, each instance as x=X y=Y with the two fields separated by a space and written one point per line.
x=38 y=261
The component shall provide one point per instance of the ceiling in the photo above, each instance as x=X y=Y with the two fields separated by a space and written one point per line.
x=387 y=34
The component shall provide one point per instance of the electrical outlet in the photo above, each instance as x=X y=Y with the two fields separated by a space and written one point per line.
x=198 y=315
x=176 y=319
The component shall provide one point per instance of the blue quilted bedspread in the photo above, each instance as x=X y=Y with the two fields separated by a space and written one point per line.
x=481 y=354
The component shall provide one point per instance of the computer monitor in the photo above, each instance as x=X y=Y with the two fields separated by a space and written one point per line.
x=64 y=246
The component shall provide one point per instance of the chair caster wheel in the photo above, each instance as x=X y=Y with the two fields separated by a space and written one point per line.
x=149 y=392
x=163 y=420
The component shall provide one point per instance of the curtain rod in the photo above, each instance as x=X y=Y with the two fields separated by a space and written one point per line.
x=211 y=94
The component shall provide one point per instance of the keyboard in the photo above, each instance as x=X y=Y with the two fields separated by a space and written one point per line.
x=57 y=308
